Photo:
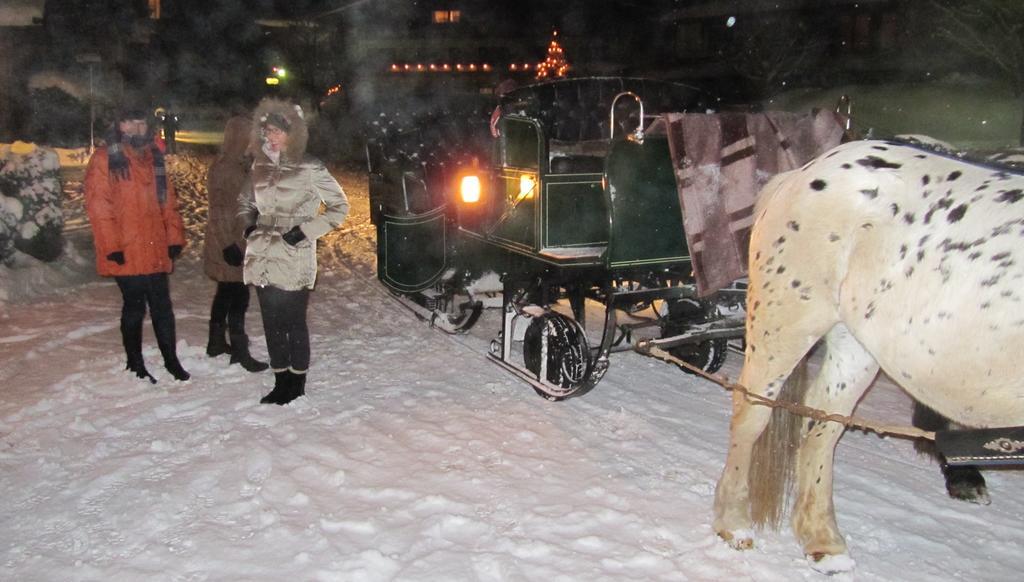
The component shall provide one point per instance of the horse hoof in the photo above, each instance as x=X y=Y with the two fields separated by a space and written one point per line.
x=967 y=484
x=831 y=563
x=970 y=494
x=739 y=539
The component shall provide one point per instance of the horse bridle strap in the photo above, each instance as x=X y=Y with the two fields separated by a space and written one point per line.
x=792 y=407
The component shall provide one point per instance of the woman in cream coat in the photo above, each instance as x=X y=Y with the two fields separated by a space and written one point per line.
x=280 y=210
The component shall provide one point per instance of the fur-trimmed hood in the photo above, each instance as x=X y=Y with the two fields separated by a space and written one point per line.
x=298 y=133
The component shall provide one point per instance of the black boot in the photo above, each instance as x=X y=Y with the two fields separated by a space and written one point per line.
x=138 y=367
x=282 y=392
x=174 y=367
x=298 y=384
x=217 y=345
x=163 y=328
x=171 y=362
x=131 y=338
x=240 y=354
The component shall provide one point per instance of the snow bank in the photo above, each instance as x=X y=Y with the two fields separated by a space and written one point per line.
x=412 y=458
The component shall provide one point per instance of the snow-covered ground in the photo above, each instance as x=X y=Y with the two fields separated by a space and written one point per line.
x=411 y=458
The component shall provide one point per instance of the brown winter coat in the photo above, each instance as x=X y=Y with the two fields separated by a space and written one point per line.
x=126 y=216
x=224 y=182
x=282 y=195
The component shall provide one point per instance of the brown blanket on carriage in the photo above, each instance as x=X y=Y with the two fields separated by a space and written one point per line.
x=721 y=161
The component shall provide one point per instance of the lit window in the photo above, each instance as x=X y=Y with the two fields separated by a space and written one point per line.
x=447 y=16
x=154 y=9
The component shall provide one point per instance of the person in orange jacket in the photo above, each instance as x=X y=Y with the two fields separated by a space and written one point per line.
x=137 y=234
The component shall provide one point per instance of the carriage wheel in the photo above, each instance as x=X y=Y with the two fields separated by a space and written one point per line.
x=462 y=310
x=568 y=357
x=707 y=355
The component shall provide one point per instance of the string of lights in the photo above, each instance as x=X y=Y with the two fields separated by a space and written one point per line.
x=554 y=65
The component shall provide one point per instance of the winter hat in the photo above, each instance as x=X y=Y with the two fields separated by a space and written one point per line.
x=277 y=120
x=129 y=110
x=131 y=113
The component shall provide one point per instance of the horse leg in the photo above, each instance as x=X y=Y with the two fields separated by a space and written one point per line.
x=964 y=482
x=784 y=320
x=733 y=522
x=765 y=370
x=847 y=371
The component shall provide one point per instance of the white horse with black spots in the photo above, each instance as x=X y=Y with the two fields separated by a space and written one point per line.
x=894 y=257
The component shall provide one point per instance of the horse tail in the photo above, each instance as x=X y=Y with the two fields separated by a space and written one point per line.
x=773 y=459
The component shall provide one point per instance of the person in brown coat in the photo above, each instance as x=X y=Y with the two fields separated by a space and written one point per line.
x=225 y=247
x=137 y=234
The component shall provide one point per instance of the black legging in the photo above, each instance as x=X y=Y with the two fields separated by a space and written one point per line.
x=230 y=304
x=137 y=292
x=284 y=323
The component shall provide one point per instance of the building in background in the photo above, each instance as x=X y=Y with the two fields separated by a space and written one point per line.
x=763 y=46
x=21 y=39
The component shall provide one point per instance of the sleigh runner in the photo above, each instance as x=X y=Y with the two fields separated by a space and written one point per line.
x=602 y=192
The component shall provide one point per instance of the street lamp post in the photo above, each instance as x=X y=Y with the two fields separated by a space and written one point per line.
x=91 y=59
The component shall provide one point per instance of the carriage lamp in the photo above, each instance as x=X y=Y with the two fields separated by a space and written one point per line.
x=469 y=189
x=527 y=184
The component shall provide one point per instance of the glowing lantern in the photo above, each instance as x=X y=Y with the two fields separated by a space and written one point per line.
x=527 y=184
x=469 y=189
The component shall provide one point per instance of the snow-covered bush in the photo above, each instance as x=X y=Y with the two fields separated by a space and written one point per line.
x=188 y=173
x=31 y=220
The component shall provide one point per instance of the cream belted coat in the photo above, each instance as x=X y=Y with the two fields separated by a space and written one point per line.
x=281 y=195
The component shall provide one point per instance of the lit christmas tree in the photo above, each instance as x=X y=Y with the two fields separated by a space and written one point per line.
x=555 y=64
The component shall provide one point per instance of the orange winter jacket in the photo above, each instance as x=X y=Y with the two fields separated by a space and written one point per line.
x=126 y=216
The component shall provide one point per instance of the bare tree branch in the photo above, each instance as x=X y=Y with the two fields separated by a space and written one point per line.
x=769 y=49
x=990 y=29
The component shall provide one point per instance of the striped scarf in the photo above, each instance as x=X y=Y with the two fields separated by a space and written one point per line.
x=117 y=164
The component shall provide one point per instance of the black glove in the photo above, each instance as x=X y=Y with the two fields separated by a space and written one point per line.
x=248 y=230
x=233 y=255
x=174 y=251
x=294 y=236
x=117 y=257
